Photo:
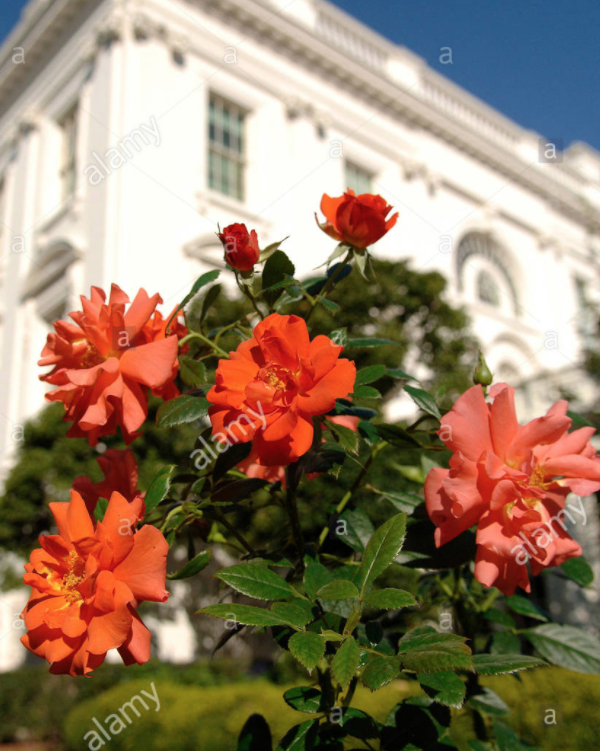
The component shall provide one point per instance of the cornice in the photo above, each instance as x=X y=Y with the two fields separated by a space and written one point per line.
x=496 y=143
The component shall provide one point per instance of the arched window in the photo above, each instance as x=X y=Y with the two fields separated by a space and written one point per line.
x=484 y=272
x=488 y=290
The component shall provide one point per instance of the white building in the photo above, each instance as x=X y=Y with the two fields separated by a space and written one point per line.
x=128 y=129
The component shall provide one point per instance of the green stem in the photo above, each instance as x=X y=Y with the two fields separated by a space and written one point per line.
x=292 y=509
x=212 y=345
x=232 y=530
x=355 y=485
x=249 y=294
x=330 y=282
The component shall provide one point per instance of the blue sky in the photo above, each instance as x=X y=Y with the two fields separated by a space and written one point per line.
x=537 y=61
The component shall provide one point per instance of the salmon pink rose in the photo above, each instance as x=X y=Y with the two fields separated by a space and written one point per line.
x=86 y=584
x=511 y=480
x=356 y=220
x=105 y=362
x=272 y=386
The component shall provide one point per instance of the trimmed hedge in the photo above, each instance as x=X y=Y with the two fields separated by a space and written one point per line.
x=201 y=719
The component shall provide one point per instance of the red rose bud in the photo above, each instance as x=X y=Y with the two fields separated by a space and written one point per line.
x=241 y=247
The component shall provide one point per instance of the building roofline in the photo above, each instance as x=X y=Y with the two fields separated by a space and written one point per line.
x=391 y=73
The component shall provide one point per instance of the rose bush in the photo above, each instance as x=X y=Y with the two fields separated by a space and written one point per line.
x=399 y=585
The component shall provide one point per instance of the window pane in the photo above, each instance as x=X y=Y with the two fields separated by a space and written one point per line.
x=358 y=179
x=226 y=148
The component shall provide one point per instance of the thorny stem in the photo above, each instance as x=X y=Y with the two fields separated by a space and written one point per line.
x=355 y=485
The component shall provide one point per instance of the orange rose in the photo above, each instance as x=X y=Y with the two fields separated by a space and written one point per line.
x=120 y=474
x=273 y=385
x=241 y=247
x=251 y=468
x=512 y=481
x=356 y=220
x=106 y=361
x=86 y=584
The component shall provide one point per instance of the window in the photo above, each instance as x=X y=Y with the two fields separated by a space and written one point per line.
x=226 y=163
x=358 y=179
x=487 y=289
x=68 y=163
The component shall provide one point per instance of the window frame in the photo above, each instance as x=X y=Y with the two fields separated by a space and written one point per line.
x=350 y=165
x=217 y=148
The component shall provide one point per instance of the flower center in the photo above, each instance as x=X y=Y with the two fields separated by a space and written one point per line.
x=280 y=378
x=73 y=577
x=91 y=357
x=537 y=477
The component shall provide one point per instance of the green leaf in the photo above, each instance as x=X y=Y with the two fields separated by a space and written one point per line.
x=298 y=613
x=566 y=646
x=337 y=590
x=304 y=698
x=194 y=566
x=506 y=738
x=180 y=410
x=308 y=648
x=389 y=599
x=505 y=643
x=100 y=509
x=432 y=651
x=300 y=737
x=346 y=661
x=500 y=617
x=523 y=606
x=400 y=374
x=255 y=735
x=489 y=702
x=236 y=490
x=349 y=439
x=192 y=372
x=424 y=401
x=370 y=374
x=379 y=671
x=357 y=724
x=159 y=487
x=270 y=249
x=248 y=615
x=366 y=392
x=579 y=570
x=209 y=300
x=354 y=528
x=275 y=270
x=579 y=421
x=405 y=502
x=383 y=547
x=256 y=581
x=397 y=436
x=499 y=664
x=202 y=281
x=444 y=687
x=315 y=576
x=370 y=342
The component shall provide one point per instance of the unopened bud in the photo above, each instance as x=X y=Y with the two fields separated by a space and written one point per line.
x=482 y=375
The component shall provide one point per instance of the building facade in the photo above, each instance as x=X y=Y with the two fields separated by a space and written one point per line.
x=129 y=129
